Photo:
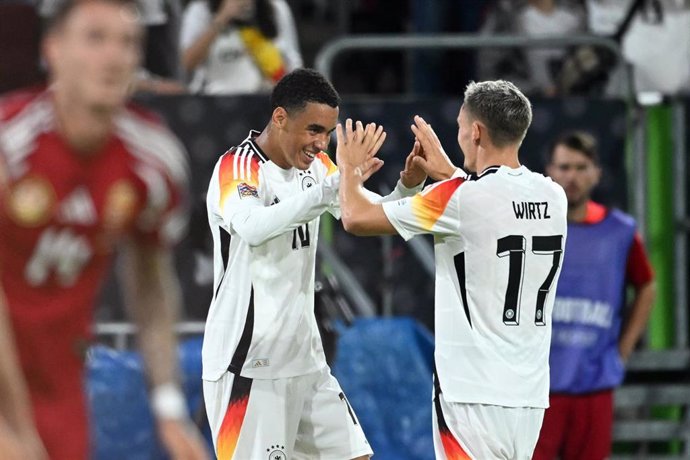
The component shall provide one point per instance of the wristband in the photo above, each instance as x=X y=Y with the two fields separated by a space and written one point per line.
x=167 y=402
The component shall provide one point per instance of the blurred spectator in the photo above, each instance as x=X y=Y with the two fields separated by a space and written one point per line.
x=593 y=332
x=160 y=71
x=446 y=72
x=532 y=69
x=238 y=46
x=657 y=43
x=161 y=55
x=373 y=72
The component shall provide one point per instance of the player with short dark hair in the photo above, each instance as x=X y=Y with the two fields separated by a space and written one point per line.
x=593 y=331
x=267 y=386
x=84 y=174
x=499 y=235
x=301 y=87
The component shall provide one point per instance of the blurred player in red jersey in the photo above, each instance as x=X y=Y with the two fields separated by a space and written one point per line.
x=81 y=172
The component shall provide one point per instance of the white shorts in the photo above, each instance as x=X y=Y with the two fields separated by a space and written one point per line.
x=304 y=417
x=481 y=432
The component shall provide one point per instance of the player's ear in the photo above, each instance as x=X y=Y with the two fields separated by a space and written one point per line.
x=478 y=130
x=279 y=117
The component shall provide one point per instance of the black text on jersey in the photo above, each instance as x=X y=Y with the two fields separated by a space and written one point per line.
x=531 y=210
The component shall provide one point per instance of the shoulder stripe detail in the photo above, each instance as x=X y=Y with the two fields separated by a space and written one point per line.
x=327 y=162
x=18 y=135
x=238 y=166
x=236 y=154
x=151 y=143
x=429 y=205
x=248 y=166
x=255 y=148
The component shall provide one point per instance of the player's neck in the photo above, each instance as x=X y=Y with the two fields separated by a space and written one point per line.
x=577 y=213
x=497 y=157
x=85 y=129
x=269 y=146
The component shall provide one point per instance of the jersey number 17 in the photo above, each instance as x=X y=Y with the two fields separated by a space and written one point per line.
x=514 y=247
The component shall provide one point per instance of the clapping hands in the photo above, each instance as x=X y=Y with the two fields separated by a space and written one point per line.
x=358 y=146
x=431 y=157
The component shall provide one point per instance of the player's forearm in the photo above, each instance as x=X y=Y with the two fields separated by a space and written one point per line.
x=400 y=191
x=636 y=322
x=157 y=335
x=153 y=300
x=260 y=224
x=359 y=215
x=14 y=396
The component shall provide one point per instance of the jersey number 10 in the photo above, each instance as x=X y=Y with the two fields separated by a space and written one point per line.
x=514 y=247
x=300 y=237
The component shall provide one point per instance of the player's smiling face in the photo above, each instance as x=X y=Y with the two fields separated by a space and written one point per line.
x=94 y=54
x=302 y=134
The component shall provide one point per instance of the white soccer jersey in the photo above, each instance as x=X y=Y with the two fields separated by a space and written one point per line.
x=265 y=225
x=499 y=242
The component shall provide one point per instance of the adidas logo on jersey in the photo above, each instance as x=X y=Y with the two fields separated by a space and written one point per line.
x=260 y=363
x=78 y=208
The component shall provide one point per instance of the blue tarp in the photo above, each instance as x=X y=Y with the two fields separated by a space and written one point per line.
x=383 y=365
x=385 y=368
x=122 y=424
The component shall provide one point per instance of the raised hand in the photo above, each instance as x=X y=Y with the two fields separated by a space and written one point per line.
x=434 y=160
x=358 y=146
x=413 y=174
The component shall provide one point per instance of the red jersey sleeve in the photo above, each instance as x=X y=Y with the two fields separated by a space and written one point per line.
x=638 y=269
x=164 y=178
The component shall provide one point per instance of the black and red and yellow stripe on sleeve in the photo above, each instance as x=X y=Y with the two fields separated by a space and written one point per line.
x=238 y=173
x=327 y=162
x=430 y=205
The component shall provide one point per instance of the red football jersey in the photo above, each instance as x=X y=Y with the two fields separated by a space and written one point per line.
x=62 y=213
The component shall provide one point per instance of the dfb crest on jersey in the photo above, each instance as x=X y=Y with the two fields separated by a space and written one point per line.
x=308 y=182
x=247 y=190
x=276 y=453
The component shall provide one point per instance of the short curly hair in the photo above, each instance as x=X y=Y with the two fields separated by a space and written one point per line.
x=300 y=87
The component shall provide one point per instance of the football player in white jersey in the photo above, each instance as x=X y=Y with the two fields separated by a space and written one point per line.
x=268 y=390
x=499 y=235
